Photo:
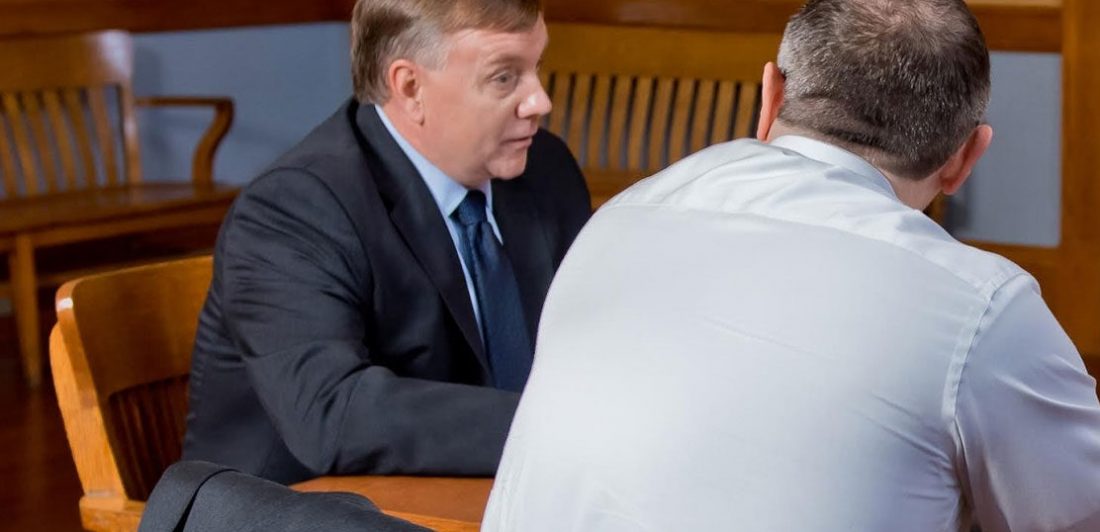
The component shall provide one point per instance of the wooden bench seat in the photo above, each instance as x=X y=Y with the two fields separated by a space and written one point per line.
x=46 y=215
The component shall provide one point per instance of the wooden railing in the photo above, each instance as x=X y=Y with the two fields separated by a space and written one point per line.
x=62 y=16
x=1073 y=287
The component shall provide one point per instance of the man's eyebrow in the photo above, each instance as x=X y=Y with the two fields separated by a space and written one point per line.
x=505 y=59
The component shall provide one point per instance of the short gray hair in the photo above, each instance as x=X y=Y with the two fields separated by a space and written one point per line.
x=383 y=31
x=900 y=82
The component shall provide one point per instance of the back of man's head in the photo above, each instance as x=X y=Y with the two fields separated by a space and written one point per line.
x=385 y=30
x=900 y=82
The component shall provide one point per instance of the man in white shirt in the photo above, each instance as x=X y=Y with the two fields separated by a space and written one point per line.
x=772 y=336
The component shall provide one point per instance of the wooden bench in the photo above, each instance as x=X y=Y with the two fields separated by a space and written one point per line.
x=630 y=101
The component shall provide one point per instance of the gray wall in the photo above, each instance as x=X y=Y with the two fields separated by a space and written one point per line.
x=286 y=79
x=1014 y=195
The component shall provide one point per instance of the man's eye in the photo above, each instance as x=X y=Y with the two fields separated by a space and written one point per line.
x=504 y=78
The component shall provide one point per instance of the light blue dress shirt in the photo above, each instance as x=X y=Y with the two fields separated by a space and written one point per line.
x=448 y=194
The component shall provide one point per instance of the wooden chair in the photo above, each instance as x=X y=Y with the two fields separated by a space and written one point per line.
x=69 y=164
x=629 y=101
x=121 y=355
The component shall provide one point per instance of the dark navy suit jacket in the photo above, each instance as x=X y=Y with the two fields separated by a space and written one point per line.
x=338 y=335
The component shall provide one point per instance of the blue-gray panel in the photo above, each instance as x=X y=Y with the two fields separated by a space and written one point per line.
x=1014 y=195
x=284 y=80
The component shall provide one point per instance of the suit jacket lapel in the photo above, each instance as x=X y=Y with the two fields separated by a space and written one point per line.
x=526 y=244
x=417 y=218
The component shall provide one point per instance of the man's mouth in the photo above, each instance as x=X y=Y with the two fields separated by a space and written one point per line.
x=520 y=142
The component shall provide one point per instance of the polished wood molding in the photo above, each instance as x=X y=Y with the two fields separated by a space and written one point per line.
x=1032 y=25
x=1016 y=25
x=1020 y=25
x=1077 y=291
x=20 y=17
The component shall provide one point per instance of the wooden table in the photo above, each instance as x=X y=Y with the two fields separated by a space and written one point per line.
x=443 y=504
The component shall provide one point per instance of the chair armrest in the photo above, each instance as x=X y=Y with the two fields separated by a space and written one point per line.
x=202 y=164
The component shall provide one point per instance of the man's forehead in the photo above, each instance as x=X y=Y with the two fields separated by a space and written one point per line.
x=496 y=46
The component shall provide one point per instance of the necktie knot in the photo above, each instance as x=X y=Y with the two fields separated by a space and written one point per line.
x=472 y=209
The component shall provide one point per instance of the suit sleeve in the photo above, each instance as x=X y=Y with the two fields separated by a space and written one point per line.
x=1028 y=421
x=293 y=272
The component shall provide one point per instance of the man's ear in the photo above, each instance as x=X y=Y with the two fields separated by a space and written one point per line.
x=405 y=83
x=961 y=164
x=771 y=99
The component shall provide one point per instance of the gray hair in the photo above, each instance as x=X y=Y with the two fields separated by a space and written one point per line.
x=900 y=82
x=383 y=31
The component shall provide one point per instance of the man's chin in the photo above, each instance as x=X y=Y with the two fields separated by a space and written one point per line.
x=508 y=169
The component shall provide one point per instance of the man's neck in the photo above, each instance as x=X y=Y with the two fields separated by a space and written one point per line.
x=914 y=193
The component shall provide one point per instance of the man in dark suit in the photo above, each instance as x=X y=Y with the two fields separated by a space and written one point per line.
x=376 y=291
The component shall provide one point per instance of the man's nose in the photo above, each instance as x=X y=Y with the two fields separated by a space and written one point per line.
x=535 y=104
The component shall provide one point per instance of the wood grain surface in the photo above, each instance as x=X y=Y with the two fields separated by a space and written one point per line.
x=1033 y=25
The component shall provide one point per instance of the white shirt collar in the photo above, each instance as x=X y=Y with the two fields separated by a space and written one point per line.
x=836 y=156
x=447 y=192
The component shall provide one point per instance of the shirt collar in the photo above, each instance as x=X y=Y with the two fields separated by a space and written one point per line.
x=836 y=156
x=446 y=192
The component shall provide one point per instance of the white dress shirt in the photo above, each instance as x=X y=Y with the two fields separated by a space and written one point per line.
x=448 y=194
x=762 y=337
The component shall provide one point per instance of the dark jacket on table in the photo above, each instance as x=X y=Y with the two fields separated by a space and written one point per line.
x=204 y=497
x=338 y=335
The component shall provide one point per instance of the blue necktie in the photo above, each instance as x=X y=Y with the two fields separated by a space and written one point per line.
x=503 y=327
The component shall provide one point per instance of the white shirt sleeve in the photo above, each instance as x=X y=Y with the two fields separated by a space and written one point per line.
x=1028 y=421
